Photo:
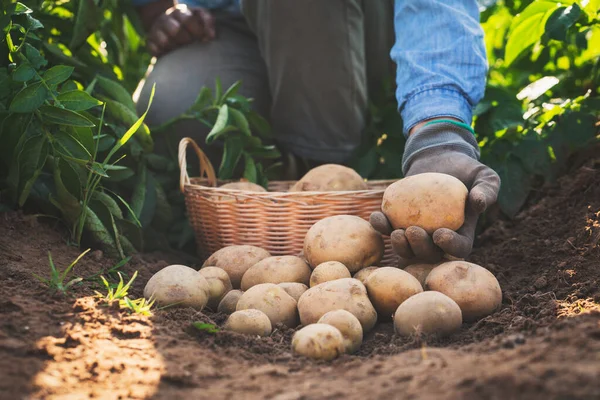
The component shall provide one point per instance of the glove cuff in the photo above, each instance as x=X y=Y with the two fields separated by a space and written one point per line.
x=438 y=137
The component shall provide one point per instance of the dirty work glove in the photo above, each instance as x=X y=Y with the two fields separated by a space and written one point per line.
x=448 y=147
x=178 y=26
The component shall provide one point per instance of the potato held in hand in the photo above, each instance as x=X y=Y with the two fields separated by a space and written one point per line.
x=345 y=238
x=249 y=322
x=342 y=294
x=429 y=313
x=388 y=287
x=348 y=325
x=329 y=177
x=269 y=298
x=277 y=270
x=178 y=285
x=318 y=341
x=475 y=289
x=430 y=201
x=236 y=260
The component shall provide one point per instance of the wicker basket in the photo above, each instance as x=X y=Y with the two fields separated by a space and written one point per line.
x=276 y=221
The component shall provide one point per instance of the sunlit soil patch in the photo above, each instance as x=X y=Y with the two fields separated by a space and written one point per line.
x=578 y=307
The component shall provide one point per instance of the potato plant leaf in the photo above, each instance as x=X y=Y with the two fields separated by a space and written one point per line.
x=29 y=98
x=61 y=116
x=57 y=74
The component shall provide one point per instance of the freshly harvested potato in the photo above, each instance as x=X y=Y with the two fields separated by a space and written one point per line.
x=330 y=177
x=219 y=284
x=475 y=289
x=342 y=294
x=328 y=271
x=345 y=238
x=348 y=325
x=277 y=270
x=430 y=200
x=294 y=289
x=178 y=285
x=428 y=312
x=249 y=322
x=388 y=287
x=248 y=186
x=364 y=273
x=229 y=302
x=319 y=342
x=420 y=271
x=236 y=260
x=269 y=298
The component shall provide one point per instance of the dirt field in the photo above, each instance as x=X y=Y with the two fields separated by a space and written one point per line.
x=544 y=343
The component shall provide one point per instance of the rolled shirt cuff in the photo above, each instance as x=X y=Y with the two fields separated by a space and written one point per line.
x=437 y=138
x=435 y=102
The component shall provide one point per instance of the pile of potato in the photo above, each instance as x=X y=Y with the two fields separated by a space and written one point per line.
x=336 y=292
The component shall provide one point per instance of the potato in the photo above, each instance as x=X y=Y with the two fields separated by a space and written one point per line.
x=420 y=271
x=388 y=287
x=330 y=177
x=430 y=201
x=219 y=284
x=276 y=270
x=342 y=294
x=345 y=238
x=428 y=312
x=269 y=298
x=328 y=271
x=294 y=289
x=348 y=325
x=229 y=302
x=475 y=289
x=178 y=285
x=364 y=273
x=236 y=260
x=249 y=322
x=318 y=341
x=248 y=186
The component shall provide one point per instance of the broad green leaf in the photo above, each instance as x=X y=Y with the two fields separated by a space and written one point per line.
x=87 y=20
x=220 y=124
x=77 y=100
x=579 y=128
x=119 y=174
x=68 y=86
x=29 y=99
x=240 y=121
x=100 y=234
x=203 y=100
x=4 y=83
x=97 y=169
x=13 y=129
x=561 y=20
x=63 y=116
x=233 y=89
x=84 y=136
x=116 y=92
x=67 y=143
x=109 y=202
x=33 y=23
x=23 y=73
x=164 y=213
x=527 y=28
x=29 y=163
x=143 y=201
x=258 y=123
x=34 y=56
x=250 y=169
x=514 y=187
x=65 y=201
x=19 y=8
x=128 y=117
x=57 y=74
x=231 y=156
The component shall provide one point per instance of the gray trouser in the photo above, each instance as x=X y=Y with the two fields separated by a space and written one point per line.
x=310 y=66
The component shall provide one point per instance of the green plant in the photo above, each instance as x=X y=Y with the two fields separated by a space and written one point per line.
x=205 y=327
x=113 y=272
x=119 y=292
x=57 y=282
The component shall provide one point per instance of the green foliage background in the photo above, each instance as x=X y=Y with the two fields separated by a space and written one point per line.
x=73 y=147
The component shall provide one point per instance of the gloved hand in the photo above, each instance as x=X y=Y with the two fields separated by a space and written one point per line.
x=446 y=147
x=179 y=25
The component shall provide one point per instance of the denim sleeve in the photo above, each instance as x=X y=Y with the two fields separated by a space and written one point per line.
x=440 y=58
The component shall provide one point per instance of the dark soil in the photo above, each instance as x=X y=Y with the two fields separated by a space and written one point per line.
x=543 y=343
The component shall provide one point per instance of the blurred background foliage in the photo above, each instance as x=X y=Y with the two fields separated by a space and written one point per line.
x=73 y=147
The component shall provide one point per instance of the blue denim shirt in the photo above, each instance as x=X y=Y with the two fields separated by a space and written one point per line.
x=439 y=53
x=440 y=57
x=232 y=6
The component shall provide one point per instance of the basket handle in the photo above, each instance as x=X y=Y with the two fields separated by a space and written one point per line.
x=206 y=168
